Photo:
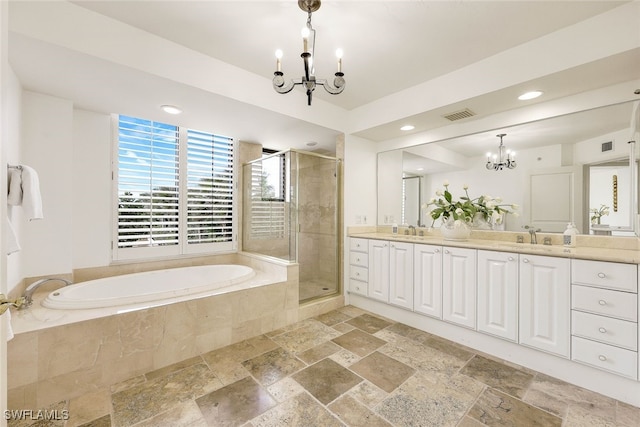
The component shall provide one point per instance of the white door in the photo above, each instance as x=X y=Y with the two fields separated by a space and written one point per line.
x=459 y=286
x=378 y=270
x=545 y=305
x=427 y=280
x=401 y=274
x=498 y=294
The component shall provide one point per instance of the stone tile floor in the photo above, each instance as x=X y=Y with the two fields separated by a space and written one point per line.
x=347 y=367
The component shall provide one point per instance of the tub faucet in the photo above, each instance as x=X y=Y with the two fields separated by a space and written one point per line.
x=28 y=293
x=532 y=233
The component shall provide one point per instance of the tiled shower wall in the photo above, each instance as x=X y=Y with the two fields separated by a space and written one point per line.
x=317 y=200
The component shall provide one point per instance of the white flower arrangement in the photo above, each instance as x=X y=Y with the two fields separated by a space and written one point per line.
x=466 y=208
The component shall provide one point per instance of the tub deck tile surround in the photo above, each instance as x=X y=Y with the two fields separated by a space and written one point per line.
x=281 y=378
x=73 y=359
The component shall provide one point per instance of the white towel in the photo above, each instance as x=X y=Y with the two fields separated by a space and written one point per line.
x=9 y=328
x=31 y=199
x=14 y=196
x=12 y=240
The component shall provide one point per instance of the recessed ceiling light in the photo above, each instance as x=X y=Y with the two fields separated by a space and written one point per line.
x=530 y=95
x=171 y=109
x=407 y=127
x=311 y=144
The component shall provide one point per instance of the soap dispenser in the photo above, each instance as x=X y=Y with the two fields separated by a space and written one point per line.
x=570 y=235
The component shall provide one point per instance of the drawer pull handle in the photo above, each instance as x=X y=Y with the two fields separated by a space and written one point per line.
x=602 y=330
x=603 y=358
x=437 y=251
x=357 y=274
x=602 y=275
x=510 y=258
x=525 y=260
x=602 y=302
x=446 y=252
x=358 y=259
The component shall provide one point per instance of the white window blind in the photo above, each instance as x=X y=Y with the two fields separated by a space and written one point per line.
x=268 y=206
x=148 y=182
x=210 y=188
x=168 y=204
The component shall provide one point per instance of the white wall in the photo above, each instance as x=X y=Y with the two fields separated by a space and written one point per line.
x=92 y=189
x=47 y=146
x=359 y=181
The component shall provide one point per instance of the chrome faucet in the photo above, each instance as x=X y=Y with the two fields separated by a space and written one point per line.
x=28 y=293
x=532 y=233
x=412 y=230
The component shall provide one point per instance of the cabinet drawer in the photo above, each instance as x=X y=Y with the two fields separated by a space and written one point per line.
x=605 y=329
x=357 y=244
x=612 y=275
x=607 y=357
x=621 y=305
x=358 y=258
x=359 y=273
x=358 y=287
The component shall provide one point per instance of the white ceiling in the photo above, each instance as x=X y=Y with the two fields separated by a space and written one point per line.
x=389 y=47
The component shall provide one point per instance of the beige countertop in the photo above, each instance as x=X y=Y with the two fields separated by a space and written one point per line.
x=624 y=250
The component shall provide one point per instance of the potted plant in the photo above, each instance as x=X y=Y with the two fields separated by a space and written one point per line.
x=597 y=213
x=459 y=216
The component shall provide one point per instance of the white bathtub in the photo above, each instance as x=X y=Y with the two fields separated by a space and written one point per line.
x=146 y=287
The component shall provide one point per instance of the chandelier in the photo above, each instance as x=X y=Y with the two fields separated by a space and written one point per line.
x=504 y=159
x=308 y=81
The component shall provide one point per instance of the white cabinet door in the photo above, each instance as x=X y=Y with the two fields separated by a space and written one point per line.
x=427 y=280
x=545 y=303
x=401 y=274
x=378 y=270
x=498 y=294
x=459 y=286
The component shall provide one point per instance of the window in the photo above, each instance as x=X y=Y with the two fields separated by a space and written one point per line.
x=175 y=190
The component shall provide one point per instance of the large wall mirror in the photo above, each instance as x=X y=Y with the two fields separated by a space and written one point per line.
x=570 y=168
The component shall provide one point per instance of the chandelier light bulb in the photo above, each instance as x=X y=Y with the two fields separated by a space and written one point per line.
x=278 y=60
x=339 y=54
x=278 y=53
x=305 y=38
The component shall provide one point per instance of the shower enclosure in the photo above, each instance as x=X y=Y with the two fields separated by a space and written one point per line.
x=290 y=211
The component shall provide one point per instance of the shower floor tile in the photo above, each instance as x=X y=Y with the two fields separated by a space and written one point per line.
x=344 y=368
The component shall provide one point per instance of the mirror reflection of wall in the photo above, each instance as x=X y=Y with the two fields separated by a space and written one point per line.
x=569 y=142
x=608 y=198
x=411 y=200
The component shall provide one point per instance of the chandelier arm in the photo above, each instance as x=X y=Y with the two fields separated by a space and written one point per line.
x=280 y=86
x=337 y=87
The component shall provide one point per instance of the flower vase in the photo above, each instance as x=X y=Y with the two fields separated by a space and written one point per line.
x=480 y=223
x=455 y=229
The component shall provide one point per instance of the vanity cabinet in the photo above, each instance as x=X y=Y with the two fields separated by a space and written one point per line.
x=378 y=286
x=582 y=310
x=459 y=286
x=391 y=272
x=604 y=312
x=498 y=294
x=427 y=280
x=358 y=265
x=545 y=290
x=401 y=274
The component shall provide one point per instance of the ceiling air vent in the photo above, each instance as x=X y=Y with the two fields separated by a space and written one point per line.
x=607 y=146
x=459 y=115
